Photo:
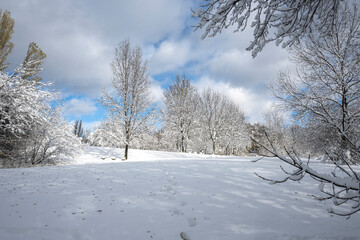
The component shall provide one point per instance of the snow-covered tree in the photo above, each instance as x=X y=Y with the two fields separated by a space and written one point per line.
x=181 y=105
x=325 y=93
x=213 y=116
x=131 y=100
x=20 y=107
x=325 y=98
x=221 y=121
x=276 y=129
x=235 y=136
x=31 y=132
x=290 y=19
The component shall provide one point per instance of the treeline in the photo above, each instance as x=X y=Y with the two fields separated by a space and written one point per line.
x=322 y=98
x=206 y=122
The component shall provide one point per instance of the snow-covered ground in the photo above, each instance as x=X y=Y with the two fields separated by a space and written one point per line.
x=159 y=195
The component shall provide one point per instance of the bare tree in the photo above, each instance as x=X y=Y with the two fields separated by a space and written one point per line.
x=181 y=104
x=222 y=121
x=325 y=94
x=234 y=137
x=131 y=101
x=276 y=129
x=213 y=115
x=291 y=19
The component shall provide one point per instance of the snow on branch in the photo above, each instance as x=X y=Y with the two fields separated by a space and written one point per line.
x=290 y=19
x=341 y=186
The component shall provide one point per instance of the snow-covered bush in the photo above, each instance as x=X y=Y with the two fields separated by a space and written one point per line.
x=107 y=134
x=52 y=139
x=31 y=132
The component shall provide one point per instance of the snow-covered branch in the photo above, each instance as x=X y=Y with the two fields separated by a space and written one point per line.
x=341 y=186
x=290 y=19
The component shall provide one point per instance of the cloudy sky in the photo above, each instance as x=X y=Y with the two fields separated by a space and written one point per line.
x=79 y=38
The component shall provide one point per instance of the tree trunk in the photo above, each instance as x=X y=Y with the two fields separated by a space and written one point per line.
x=183 y=144
x=126 y=151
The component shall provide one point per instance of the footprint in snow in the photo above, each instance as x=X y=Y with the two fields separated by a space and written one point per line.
x=184 y=236
x=176 y=211
x=192 y=222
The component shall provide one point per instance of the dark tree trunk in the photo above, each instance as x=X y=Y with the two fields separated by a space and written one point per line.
x=183 y=144
x=126 y=151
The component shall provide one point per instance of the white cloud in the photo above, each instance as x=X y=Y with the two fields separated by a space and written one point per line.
x=170 y=56
x=80 y=107
x=240 y=69
x=79 y=39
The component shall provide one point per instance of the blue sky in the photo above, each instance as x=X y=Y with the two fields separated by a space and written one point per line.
x=79 y=38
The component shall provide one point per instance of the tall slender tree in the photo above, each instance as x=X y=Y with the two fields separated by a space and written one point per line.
x=131 y=100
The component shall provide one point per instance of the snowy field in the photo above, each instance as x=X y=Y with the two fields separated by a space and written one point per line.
x=159 y=195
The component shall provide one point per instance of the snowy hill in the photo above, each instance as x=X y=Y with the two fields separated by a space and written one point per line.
x=160 y=195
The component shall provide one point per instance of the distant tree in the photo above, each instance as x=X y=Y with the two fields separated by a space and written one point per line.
x=107 y=134
x=221 y=121
x=257 y=133
x=78 y=129
x=131 y=101
x=235 y=136
x=6 y=31
x=181 y=105
x=32 y=63
x=276 y=129
x=290 y=19
x=213 y=115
